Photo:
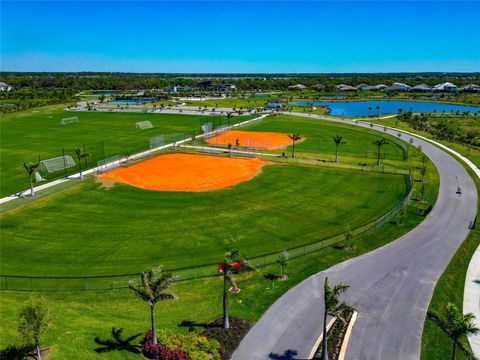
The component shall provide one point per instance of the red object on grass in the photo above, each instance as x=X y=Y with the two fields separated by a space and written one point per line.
x=235 y=264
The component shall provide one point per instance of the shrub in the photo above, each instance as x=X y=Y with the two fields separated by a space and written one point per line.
x=160 y=351
x=196 y=346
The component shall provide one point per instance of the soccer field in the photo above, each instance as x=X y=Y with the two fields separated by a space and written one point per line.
x=28 y=136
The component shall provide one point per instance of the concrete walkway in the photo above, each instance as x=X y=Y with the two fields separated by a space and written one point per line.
x=391 y=287
x=471 y=297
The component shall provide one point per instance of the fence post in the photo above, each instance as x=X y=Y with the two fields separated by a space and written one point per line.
x=64 y=163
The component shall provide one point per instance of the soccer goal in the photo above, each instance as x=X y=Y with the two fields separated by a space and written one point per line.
x=58 y=163
x=144 y=125
x=69 y=120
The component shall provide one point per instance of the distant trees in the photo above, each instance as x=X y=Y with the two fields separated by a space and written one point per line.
x=154 y=287
x=294 y=138
x=338 y=140
x=33 y=320
x=456 y=326
x=31 y=169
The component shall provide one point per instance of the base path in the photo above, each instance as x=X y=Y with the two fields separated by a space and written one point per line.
x=391 y=287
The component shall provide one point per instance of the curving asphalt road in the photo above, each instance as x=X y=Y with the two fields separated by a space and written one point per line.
x=390 y=287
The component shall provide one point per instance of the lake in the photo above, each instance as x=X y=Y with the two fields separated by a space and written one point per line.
x=360 y=108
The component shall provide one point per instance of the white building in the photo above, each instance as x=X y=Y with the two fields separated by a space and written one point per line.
x=446 y=86
x=5 y=87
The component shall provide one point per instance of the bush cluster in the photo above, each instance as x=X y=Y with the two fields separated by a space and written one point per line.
x=196 y=346
x=159 y=351
x=174 y=346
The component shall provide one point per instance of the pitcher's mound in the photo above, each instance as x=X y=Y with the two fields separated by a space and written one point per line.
x=187 y=172
x=261 y=140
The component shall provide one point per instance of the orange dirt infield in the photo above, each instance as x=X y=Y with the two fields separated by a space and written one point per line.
x=261 y=140
x=187 y=172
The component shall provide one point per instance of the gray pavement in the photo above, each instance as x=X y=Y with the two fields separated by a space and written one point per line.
x=391 y=287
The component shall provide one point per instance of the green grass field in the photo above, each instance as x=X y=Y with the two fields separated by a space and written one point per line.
x=318 y=137
x=26 y=136
x=78 y=317
x=88 y=230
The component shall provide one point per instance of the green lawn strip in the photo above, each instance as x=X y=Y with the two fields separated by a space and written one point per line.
x=30 y=135
x=237 y=103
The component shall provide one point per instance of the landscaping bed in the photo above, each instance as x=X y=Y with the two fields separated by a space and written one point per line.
x=335 y=337
x=229 y=339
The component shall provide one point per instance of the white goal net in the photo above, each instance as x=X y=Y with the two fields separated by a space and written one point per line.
x=69 y=120
x=56 y=164
x=144 y=125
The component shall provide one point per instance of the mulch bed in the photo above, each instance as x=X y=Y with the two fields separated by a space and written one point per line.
x=335 y=338
x=229 y=339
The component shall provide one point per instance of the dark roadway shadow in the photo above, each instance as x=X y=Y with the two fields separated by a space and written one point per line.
x=287 y=355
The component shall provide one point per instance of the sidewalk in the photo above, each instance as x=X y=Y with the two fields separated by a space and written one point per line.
x=471 y=298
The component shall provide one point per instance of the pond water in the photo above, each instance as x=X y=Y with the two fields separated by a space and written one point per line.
x=125 y=102
x=361 y=108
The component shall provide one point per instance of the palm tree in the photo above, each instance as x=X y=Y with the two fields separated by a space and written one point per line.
x=294 y=138
x=333 y=307
x=377 y=108
x=282 y=260
x=31 y=168
x=81 y=154
x=229 y=116
x=369 y=111
x=228 y=279
x=338 y=140
x=455 y=325
x=379 y=143
x=154 y=287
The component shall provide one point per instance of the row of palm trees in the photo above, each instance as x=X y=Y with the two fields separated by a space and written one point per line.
x=339 y=140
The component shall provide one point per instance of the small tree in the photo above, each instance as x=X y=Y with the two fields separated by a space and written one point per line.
x=378 y=109
x=338 y=140
x=81 y=155
x=282 y=260
x=455 y=325
x=333 y=307
x=379 y=143
x=31 y=169
x=155 y=286
x=294 y=138
x=33 y=320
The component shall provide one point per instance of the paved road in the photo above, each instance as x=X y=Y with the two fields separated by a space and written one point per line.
x=391 y=287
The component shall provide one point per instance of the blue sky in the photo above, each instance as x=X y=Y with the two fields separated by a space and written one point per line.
x=203 y=36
